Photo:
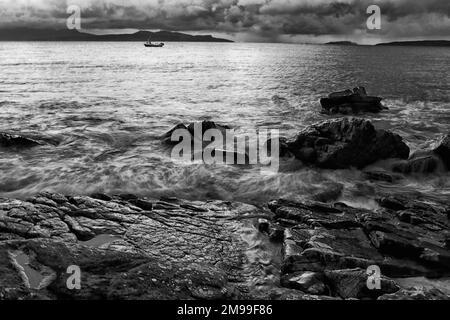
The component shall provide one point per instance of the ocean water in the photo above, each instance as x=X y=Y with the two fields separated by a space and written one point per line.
x=106 y=104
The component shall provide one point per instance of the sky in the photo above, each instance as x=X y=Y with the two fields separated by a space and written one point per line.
x=295 y=21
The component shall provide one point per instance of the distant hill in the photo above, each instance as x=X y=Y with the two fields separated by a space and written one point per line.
x=28 y=34
x=342 y=43
x=425 y=43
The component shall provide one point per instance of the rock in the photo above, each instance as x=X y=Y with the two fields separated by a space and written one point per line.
x=442 y=148
x=167 y=137
x=222 y=154
x=207 y=125
x=130 y=247
x=378 y=175
x=16 y=141
x=392 y=203
x=308 y=282
x=191 y=249
x=352 y=283
x=346 y=142
x=105 y=274
x=204 y=126
x=436 y=158
x=263 y=225
x=405 y=237
x=348 y=102
x=416 y=294
x=426 y=164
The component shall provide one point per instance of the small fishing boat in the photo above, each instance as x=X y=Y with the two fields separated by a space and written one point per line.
x=153 y=45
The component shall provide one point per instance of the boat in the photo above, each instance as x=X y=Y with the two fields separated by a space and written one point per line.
x=153 y=45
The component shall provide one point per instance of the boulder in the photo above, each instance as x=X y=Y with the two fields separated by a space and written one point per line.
x=349 y=102
x=205 y=125
x=435 y=158
x=16 y=141
x=380 y=175
x=442 y=148
x=346 y=142
x=308 y=282
x=352 y=283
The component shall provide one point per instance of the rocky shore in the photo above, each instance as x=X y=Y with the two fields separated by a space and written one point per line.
x=131 y=248
x=141 y=248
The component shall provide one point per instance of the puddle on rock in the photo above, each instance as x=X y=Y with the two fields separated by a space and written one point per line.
x=30 y=276
x=100 y=240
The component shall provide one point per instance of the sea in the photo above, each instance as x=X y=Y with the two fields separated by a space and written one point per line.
x=104 y=106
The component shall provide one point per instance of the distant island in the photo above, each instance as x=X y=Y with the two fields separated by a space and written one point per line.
x=424 y=43
x=28 y=34
x=342 y=43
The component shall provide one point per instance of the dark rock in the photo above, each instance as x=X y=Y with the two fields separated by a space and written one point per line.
x=405 y=237
x=276 y=234
x=352 y=283
x=308 y=282
x=101 y=196
x=167 y=137
x=348 y=102
x=346 y=142
x=391 y=203
x=263 y=225
x=16 y=141
x=106 y=274
x=442 y=148
x=188 y=250
x=204 y=125
x=436 y=158
x=378 y=175
x=425 y=164
x=416 y=294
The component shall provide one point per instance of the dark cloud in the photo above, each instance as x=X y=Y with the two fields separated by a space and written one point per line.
x=262 y=19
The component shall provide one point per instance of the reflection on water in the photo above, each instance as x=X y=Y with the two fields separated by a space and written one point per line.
x=107 y=107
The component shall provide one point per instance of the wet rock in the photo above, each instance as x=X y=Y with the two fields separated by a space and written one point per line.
x=416 y=294
x=392 y=203
x=442 y=148
x=308 y=282
x=106 y=274
x=191 y=249
x=352 y=283
x=378 y=175
x=351 y=101
x=263 y=225
x=16 y=141
x=405 y=237
x=425 y=164
x=436 y=158
x=346 y=142
x=204 y=126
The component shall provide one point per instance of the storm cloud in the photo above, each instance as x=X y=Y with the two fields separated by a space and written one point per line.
x=263 y=20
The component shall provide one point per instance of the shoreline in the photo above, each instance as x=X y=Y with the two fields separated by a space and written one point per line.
x=177 y=249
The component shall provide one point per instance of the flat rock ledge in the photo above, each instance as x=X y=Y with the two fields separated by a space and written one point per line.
x=136 y=248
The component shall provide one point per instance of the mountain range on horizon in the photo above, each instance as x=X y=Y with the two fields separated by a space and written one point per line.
x=36 y=34
x=30 y=34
